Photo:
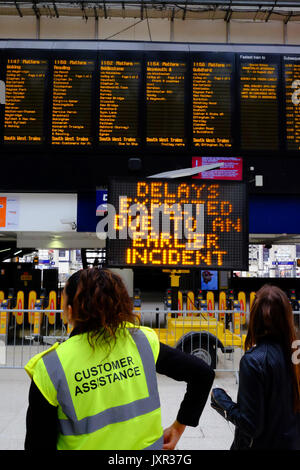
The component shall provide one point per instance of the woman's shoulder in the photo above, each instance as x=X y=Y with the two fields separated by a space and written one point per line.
x=256 y=355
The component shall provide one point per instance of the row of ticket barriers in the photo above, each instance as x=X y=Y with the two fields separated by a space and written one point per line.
x=210 y=302
x=45 y=312
x=36 y=314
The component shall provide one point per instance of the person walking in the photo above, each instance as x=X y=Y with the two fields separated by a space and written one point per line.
x=266 y=415
x=98 y=389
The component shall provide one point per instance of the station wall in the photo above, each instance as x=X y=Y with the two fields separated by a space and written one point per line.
x=188 y=30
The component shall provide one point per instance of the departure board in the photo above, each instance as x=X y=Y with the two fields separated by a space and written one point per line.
x=212 y=103
x=259 y=108
x=24 y=101
x=72 y=101
x=119 y=102
x=165 y=92
x=292 y=101
x=163 y=223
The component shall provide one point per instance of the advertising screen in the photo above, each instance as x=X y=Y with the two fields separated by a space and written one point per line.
x=209 y=280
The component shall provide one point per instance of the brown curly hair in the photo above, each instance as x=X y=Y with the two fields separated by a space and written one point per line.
x=100 y=303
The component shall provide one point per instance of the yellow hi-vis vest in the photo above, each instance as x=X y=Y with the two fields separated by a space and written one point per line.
x=106 y=398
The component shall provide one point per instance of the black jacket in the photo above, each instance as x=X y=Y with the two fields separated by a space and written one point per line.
x=263 y=415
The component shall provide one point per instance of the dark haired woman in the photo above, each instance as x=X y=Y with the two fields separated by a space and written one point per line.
x=98 y=389
x=266 y=414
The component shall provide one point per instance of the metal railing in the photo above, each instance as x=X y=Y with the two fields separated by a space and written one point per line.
x=215 y=336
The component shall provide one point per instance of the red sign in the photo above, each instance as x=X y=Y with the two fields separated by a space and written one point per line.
x=231 y=170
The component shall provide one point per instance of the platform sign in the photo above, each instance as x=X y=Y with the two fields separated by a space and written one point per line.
x=162 y=223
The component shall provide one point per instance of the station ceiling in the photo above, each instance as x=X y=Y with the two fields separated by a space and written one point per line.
x=250 y=10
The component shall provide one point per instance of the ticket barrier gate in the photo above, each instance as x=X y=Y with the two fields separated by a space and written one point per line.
x=137 y=303
x=295 y=307
x=206 y=303
x=52 y=305
x=229 y=306
x=222 y=305
x=242 y=301
x=190 y=302
x=210 y=299
x=5 y=316
x=19 y=306
x=168 y=299
x=37 y=315
x=236 y=317
x=252 y=298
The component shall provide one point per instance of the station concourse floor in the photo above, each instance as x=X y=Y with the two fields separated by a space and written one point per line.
x=212 y=433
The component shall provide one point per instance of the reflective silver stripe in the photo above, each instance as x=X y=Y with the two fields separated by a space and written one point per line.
x=157 y=445
x=73 y=426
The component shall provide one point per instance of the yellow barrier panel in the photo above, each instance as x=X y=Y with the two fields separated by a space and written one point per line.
x=62 y=317
x=51 y=306
x=242 y=300
x=20 y=305
x=210 y=299
x=190 y=302
x=252 y=297
x=31 y=304
x=180 y=302
x=222 y=305
x=3 y=316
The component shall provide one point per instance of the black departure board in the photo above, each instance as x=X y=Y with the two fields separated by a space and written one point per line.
x=292 y=101
x=192 y=101
x=72 y=102
x=120 y=82
x=259 y=75
x=24 y=101
x=177 y=224
x=212 y=102
x=165 y=108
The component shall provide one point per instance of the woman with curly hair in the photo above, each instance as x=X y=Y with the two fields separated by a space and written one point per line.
x=98 y=389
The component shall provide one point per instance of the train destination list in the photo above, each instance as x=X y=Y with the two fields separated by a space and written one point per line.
x=119 y=102
x=24 y=106
x=72 y=101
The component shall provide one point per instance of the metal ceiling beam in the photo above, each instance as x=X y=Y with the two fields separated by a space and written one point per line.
x=18 y=10
x=36 y=10
x=288 y=17
x=84 y=15
x=213 y=3
x=55 y=10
